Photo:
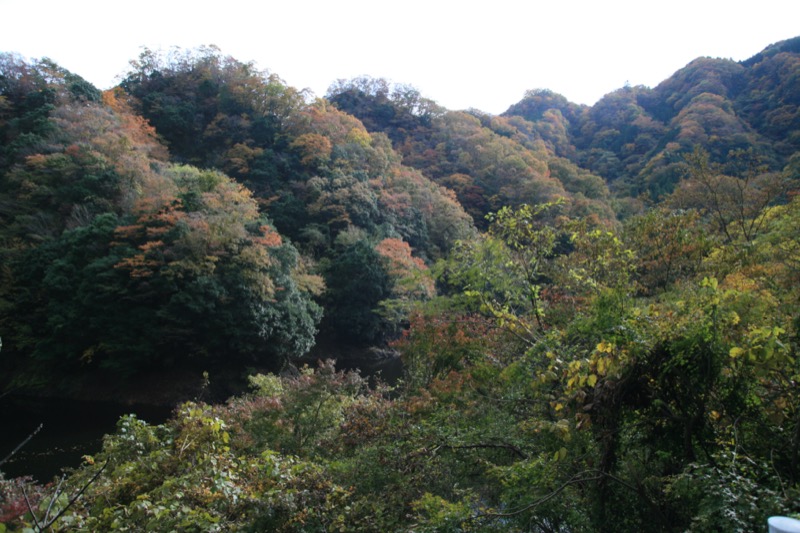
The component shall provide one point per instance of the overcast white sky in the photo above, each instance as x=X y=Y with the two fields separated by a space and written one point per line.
x=459 y=53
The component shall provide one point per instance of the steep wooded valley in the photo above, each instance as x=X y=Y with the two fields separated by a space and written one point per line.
x=596 y=307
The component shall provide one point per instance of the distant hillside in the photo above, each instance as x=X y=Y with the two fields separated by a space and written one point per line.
x=488 y=161
x=202 y=214
x=635 y=138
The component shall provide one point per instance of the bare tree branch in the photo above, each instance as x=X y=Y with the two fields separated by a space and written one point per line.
x=77 y=495
x=499 y=445
x=580 y=477
x=20 y=445
x=47 y=522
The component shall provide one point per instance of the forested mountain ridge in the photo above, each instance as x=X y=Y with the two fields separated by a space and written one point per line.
x=635 y=138
x=615 y=347
x=115 y=258
x=489 y=162
x=121 y=253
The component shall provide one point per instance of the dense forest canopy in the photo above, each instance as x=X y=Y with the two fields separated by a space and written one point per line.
x=596 y=307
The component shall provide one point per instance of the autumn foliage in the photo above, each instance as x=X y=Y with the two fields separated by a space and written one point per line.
x=595 y=308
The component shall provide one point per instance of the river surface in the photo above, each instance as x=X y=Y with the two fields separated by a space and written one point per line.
x=73 y=428
x=70 y=430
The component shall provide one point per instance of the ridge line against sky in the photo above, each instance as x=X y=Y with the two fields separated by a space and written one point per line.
x=461 y=55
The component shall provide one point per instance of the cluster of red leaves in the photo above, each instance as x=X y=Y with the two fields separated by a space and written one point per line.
x=269 y=237
x=12 y=498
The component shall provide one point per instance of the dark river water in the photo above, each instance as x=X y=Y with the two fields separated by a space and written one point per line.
x=70 y=430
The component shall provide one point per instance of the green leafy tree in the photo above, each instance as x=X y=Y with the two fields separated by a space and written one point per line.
x=504 y=273
x=357 y=282
x=670 y=246
x=737 y=205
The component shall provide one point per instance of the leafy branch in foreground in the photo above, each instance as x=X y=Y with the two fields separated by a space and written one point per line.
x=46 y=522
